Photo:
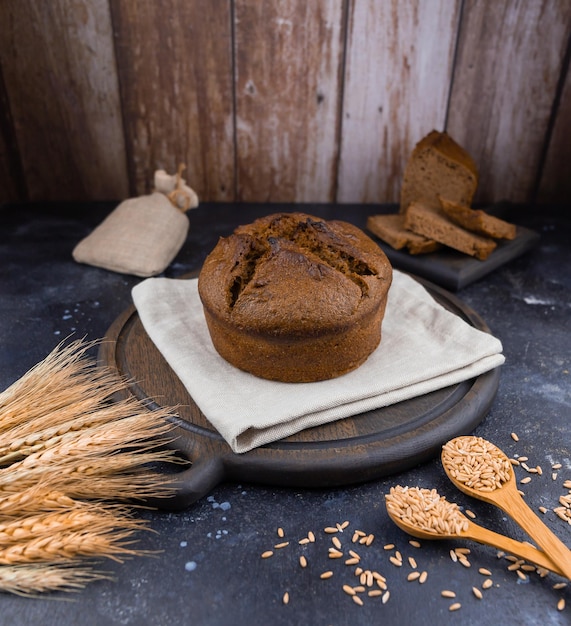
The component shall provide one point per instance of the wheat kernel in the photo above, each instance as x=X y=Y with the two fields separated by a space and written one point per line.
x=514 y=437
x=395 y=561
x=446 y=593
x=326 y=575
x=423 y=577
x=386 y=597
x=561 y=604
x=349 y=590
x=412 y=562
x=304 y=541
x=267 y=554
x=352 y=561
x=484 y=571
x=559 y=585
x=477 y=593
x=285 y=598
x=330 y=530
x=335 y=541
x=487 y=583
x=373 y=593
x=311 y=537
x=525 y=480
x=281 y=532
x=284 y=544
x=414 y=543
x=303 y=561
x=455 y=606
x=413 y=576
x=388 y=546
x=357 y=600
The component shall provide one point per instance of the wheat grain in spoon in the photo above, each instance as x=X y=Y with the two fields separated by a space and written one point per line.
x=481 y=470
x=423 y=513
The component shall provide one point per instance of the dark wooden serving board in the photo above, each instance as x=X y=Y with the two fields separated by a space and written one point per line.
x=454 y=270
x=352 y=450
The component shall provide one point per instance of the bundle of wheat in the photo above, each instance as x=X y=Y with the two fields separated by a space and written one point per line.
x=72 y=461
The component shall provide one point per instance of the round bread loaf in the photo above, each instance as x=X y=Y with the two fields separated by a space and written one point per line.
x=294 y=298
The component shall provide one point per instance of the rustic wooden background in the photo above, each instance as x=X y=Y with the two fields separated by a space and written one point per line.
x=280 y=100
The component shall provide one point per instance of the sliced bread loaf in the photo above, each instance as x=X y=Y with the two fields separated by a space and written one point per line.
x=391 y=229
x=434 y=224
x=477 y=221
x=438 y=166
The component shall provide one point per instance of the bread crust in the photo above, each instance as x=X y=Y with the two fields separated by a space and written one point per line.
x=295 y=298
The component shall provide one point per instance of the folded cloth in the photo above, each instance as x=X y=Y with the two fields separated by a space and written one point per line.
x=424 y=347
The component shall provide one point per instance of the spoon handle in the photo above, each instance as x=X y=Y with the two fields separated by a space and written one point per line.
x=516 y=507
x=511 y=546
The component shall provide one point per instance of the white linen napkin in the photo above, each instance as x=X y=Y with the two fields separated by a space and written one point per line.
x=423 y=348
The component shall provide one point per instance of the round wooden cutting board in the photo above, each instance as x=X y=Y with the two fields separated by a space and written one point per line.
x=352 y=450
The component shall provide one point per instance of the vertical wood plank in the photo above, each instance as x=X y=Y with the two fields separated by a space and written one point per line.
x=509 y=60
x=555 y=182
x=399 y=66
x=12 y=184
x=288 y=77
x=59 y=71
x=175 y=68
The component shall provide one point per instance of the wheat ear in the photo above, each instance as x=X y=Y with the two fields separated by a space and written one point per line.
x=36 y=579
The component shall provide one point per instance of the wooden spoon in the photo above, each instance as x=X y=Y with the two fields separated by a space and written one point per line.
x=509 y=500
x=484 y=536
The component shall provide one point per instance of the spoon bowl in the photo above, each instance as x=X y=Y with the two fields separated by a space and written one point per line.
x=468 y=460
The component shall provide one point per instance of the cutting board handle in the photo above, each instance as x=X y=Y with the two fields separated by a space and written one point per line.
x=192 y=484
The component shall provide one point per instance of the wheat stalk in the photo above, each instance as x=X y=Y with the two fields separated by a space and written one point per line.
x=63 y=546
x=64 y=378
x=95 y=518
x=33 y=580
x=62 y=444
x=38 y=498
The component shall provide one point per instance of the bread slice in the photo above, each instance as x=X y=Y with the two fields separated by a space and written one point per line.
x=477 y=221
x=438 y=166
x=390 y=228
x=434 y=224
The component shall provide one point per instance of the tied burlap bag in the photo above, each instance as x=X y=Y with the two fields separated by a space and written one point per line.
x=142 y=235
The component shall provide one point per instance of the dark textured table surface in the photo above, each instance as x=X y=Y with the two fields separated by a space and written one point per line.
x=208 y=569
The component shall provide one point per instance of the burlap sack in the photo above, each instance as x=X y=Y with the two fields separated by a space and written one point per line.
x=140 y=237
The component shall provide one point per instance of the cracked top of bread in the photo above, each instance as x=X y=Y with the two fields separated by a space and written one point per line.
x=293 y=288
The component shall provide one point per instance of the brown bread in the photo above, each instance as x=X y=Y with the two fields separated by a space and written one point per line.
x=432 y=222
x=294 y=298
x=438 y=166
x=477 y=221
x=391 y=229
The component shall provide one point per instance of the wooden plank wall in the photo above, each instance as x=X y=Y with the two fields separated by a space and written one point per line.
x=281 y=100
